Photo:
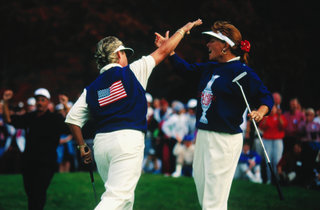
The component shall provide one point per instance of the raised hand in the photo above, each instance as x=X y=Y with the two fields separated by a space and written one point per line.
x=7 y=95
x=160 y=39
x=63 y=99
x=190 y=25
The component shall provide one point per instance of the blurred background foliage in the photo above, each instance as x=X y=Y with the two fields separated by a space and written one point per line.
x=51 y=43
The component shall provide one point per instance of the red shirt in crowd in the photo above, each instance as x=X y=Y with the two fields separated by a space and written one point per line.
x=272 y=128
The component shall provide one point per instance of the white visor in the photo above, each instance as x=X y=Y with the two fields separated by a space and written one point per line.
x=220 y=36
x=122 y=48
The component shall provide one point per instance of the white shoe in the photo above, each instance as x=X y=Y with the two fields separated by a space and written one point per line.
x=257 y=180
x=176 y=174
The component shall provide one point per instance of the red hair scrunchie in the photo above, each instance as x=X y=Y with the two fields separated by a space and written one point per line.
x=245 y=46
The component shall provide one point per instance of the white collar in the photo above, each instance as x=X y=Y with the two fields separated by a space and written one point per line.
x=234 y=59
x=109 y=66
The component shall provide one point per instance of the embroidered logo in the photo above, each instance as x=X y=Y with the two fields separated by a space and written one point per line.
x=111 y=94
x=206 y=99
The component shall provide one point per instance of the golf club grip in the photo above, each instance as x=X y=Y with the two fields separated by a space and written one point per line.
x=277 y=183
x=86 y=149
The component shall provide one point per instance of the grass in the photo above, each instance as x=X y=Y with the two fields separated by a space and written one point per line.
x=154 y=192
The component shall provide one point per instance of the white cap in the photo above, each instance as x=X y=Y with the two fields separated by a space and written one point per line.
x=149 y=97
x=31 y=101
x=192 y=103
x=122 y=48
x=42 y=92
x=220 y=36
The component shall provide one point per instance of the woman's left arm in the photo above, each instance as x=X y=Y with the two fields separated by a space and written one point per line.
x=258 y=114
x=259 y=96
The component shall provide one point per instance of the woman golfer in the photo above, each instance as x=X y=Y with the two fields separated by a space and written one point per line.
x=116 y=102
x=220 y=109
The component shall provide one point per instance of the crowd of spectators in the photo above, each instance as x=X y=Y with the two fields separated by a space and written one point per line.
x=171 y=135
x=13 y=140
x=291 y=139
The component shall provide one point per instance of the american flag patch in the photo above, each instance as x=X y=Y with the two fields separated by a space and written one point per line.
x=111 y=94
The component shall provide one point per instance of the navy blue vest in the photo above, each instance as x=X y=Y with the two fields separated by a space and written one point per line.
x=117 y=101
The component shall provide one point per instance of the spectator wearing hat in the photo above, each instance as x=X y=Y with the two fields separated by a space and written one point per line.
x=184 y=152
x=151 y=164
x=39 y=159
x=175 y=129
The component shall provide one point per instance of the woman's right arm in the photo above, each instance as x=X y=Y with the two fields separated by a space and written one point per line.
x=76 y=118
x=169 y=45
x=182 y=68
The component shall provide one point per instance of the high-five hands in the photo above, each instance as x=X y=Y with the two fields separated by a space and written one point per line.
x=159 y=40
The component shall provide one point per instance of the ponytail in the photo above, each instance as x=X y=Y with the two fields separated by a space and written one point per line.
x=241 y=48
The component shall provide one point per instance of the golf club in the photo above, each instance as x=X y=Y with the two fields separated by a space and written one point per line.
x=86 y=149
x=255 y=126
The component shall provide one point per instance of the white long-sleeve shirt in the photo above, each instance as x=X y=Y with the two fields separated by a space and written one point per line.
x=176 y=125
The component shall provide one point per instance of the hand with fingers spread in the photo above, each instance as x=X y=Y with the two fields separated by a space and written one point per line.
x=160 y=40
x=167 y=45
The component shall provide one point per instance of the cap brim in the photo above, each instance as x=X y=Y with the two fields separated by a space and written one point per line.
x=210 y=33
x=129 y=52
x=220 y=37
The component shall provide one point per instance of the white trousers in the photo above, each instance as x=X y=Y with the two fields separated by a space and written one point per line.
x=215 y=160
x=119 y=156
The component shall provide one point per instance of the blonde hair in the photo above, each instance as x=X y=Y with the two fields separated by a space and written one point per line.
x=105 y=51
x=234 y=34
x=311 y=110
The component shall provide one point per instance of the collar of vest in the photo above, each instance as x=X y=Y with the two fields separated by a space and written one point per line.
x=109 y=66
